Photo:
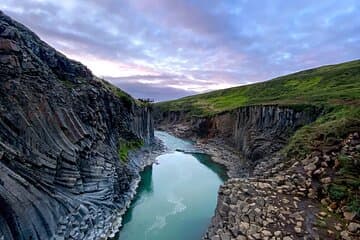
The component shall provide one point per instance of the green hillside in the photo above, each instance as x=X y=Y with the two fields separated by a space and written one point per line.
x=335 y=89
x=329 y=85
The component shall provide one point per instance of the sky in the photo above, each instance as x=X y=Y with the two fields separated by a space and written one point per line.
x=166 y=49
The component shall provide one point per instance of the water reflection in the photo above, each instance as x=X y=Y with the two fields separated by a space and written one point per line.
x=145 y=189
x=215 y=167
x=175 y=199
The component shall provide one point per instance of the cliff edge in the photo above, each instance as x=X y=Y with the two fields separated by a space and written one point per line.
x=61 y=131
x=291 y=146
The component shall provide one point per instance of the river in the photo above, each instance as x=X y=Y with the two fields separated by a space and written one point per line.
x=176 y=198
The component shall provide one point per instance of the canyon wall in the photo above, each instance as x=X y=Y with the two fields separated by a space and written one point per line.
x=256 y=132
x=60 y=127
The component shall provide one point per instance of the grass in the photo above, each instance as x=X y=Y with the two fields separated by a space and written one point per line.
x=126 y=146
x=354 y=205
x=337 y=192
x=348 y=178
x=333 y=89
x=68 y=84
x=123 y=96
x=335 y=124
x=329 y=85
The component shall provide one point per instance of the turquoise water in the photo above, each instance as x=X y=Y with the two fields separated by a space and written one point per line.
x=176 y=198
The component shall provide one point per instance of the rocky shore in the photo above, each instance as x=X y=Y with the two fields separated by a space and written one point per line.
x=103 y=223
x=287 y=202
x=279 y=198
x=215 y=147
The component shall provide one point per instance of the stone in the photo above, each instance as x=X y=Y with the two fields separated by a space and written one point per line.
x=287 y=238
x=266 y=233
x=309 y=168
x=241 y=238
x=349 y=215
x=326 y=180
x=8 y=45
x=243 y=227
x=323 y=214
x=324 y=201
x=338 y=226
x=333 y=205
x=216 y=237
x=225 y=236
x=345 y=235
x=353 y=227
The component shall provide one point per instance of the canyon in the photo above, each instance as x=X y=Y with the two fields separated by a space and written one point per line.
x=72 y=147
x=291 y=149
x=269 y=195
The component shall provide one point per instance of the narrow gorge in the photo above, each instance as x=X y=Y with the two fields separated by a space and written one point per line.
x=255 y=132
x=79 y=157
x=292 y=158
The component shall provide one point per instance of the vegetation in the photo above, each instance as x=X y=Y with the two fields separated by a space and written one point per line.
x=333 y=89
x=68 y=84
x=335 y=124
x=125 y=97
x=145 y=102
x=126 y=146
x=337 y=192
x=329 y=85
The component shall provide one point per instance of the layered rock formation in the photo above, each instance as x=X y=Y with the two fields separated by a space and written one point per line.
x=60 y=129
x=269 y=195
x=255 y=132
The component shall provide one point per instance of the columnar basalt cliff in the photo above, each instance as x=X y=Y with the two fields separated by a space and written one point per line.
x=281 y=197
x=292 y=157
x=60 y=128
x=256 y=132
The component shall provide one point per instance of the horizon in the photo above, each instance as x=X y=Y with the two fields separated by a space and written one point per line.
x=165 y=55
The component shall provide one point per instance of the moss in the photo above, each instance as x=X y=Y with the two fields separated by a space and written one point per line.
x=337 y=192
x=354 y=205
x=68 y=84
x=336 y=123
x=123 y=96
x=126 y=146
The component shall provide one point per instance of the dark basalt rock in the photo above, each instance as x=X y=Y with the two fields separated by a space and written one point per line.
x=256 y=132
x=60 y=175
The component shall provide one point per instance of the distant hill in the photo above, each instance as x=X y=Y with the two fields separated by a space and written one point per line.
x=328 y=85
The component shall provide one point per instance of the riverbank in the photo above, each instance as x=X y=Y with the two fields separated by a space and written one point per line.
x=282 y=199
x=176 y=197
x=138 y=161
x=286 y=203
x=216 y=148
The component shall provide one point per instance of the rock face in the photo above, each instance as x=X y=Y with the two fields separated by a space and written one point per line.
x=282 y=202
x=256 y=132
x=60 y=174
x=280 y=197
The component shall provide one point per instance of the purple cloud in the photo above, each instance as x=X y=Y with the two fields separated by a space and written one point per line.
x=167 y=49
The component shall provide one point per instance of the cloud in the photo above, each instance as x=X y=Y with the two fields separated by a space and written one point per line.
x=181 y=47
x=158 y=91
